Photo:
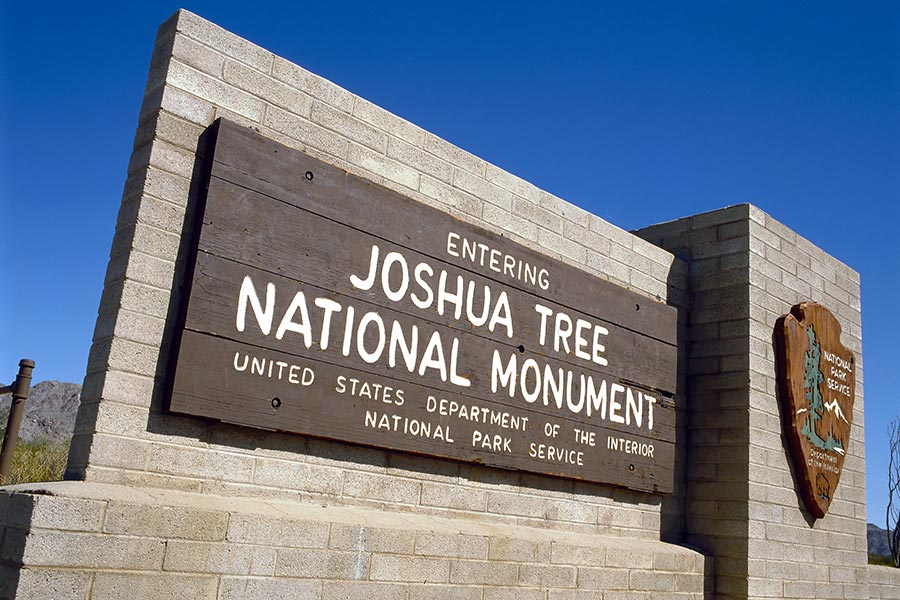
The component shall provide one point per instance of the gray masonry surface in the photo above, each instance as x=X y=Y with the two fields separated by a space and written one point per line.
x=163 y=506
x=746 y=271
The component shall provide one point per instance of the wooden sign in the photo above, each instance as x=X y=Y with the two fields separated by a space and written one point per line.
x=323 y=304
x=817 y=383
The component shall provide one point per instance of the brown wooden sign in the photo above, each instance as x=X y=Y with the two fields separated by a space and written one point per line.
x=323 y=304
x=817 y=383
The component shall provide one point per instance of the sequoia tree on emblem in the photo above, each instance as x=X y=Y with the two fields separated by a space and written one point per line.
x=817 y=379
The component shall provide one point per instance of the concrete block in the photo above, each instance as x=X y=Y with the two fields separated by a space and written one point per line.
x=176 y=131
x=363 y=590
x=681 y=562
x=356 y=538
x=139 y=298
x=382 y=488
x=117 y=452
x=454 y=497
x=651 y=581
x=153 y=586
x=195 y=55
x=257 y=529
x=242 y=588
x=199 y=463
x=306 y=134
x=691 y=583
x=224 y=41
x=215 y=91
x=136 y=327
x=150 y=270
x=219 y=557
x=566 y=594
x=547 y=576
x=488 y=192
x=301 y=477
x=349 y=127
x=513 y=593
x=451 y=197
x=150 y=240
x=513 y=550
x=594 y=578
x=123 y=388
x=313 y=85
x=335 y=454
x=97 y=551
x=463 y=546
x=412 y=156
x=587 y=238
x=651 y=286
x=512 y=183
x=454 y=155
x=387 y=567
x=55 y=584
x=608 y=268
x=625 y=558
x=559 y=244
x=171 y=159
x=271 y=90
x=187 y=106
x=476 y=572
x=379 y=164
x=444 y=592
x=164 y=521
x=321 y=564
x=49 y=512
x=386 y=121
x=501 y=220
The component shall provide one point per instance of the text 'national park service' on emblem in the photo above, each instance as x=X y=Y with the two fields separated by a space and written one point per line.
x=817 y=380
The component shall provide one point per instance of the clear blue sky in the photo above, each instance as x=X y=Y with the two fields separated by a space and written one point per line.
x=640 y=112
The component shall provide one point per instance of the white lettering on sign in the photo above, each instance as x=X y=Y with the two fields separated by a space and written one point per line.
x=274 y=369
x=497 y=261
x=370 y=326
x=373 y=338
x=839 y=371
x=575 y=392
x=450 y=295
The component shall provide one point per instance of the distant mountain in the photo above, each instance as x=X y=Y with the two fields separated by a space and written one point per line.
x=49 y=411
x=877 y=538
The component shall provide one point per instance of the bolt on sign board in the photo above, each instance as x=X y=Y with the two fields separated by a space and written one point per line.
x=817 y=383
x=321 y=303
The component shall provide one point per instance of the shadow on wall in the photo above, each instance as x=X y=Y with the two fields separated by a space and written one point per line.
x=16 y=513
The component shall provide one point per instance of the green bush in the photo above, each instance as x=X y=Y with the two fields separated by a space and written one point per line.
x=38 y=461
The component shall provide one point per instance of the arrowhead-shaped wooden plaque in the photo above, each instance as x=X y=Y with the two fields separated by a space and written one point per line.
x=817 y=379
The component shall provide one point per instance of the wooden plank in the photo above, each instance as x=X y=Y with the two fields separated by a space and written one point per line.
x=256 y=230
x=326 y=406
x=244 y=157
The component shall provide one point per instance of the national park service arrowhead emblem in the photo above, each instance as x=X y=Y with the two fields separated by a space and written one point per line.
x=817 y=378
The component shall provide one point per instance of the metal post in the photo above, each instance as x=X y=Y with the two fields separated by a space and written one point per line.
x=16 y=409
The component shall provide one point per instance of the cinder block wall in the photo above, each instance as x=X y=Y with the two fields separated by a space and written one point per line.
x=741 y=503
x=791 y=555
x=884 y=583
x=200 y=72
x=715 y=246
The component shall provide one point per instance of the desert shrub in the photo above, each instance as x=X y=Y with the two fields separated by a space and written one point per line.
x=37 y=461
x=877 y=559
